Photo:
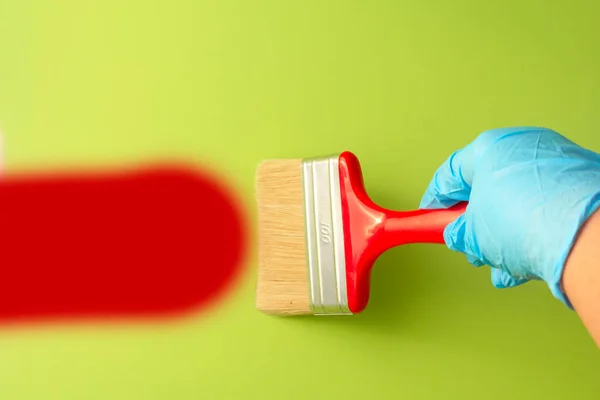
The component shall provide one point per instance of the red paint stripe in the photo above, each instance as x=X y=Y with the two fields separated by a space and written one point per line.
x=136 y=243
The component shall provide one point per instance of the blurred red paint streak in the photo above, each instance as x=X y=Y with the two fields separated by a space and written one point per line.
x=136 y=243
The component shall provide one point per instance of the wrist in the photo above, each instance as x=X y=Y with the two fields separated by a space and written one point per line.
x=581 y=264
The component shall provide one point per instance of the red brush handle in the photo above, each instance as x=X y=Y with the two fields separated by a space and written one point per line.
x=370 y=230
x=419 y=226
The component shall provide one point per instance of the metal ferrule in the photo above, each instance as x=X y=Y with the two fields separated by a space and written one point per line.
x=325 y=236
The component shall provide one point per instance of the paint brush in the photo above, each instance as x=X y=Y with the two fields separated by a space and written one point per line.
x=319 y=234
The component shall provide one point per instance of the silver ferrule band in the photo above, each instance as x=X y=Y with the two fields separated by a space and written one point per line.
x=325 y=236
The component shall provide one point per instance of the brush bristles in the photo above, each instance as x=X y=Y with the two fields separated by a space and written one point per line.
x=282 y=273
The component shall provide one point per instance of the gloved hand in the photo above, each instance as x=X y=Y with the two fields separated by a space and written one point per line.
x=529 y=190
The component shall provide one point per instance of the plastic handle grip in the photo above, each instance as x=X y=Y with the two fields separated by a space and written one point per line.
x=420 y=226
x=370 y=230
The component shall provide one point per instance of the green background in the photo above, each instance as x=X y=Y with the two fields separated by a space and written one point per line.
x=231 y=82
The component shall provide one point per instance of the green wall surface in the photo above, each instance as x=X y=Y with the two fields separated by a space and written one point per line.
x=232 y=82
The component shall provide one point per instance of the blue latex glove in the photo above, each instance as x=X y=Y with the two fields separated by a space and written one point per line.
x=529 y=191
